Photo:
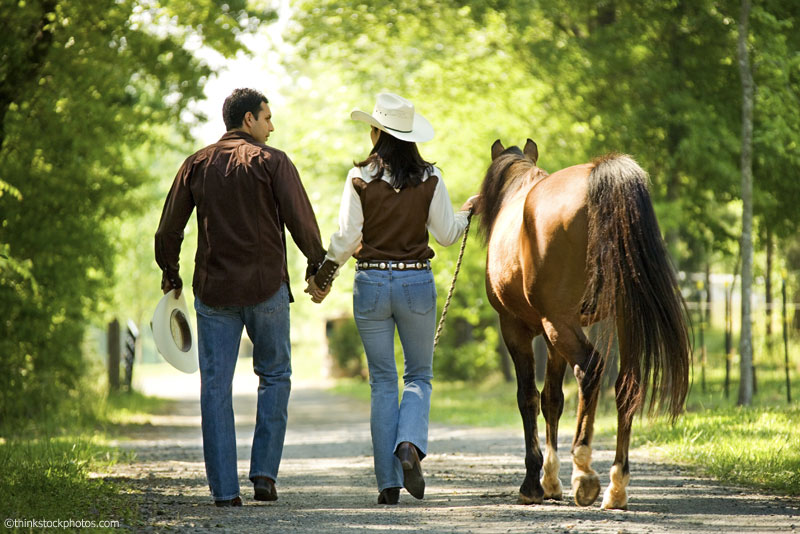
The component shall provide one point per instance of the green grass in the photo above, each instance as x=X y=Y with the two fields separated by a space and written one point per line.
x=757 y=446
x=51 y=479
x=49 y=467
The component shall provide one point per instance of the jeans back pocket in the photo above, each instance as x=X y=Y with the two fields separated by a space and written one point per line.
x=421 y=296
x=366 y=294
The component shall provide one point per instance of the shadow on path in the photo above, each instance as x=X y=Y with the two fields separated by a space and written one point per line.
x=326 y=483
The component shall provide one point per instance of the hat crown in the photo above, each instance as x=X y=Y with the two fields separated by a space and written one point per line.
x=397 y=117
x=394 y=112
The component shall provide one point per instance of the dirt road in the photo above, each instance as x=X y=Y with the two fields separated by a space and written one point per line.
x=326 y=483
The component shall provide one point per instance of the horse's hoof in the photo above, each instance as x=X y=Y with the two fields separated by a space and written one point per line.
x=615 y=500
x=531 y=492
x=524 y=499
x=556 y=496
x=552 y=489
x=586 y=488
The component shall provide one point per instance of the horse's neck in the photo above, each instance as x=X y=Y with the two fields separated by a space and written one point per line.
x=522 y=185
x=511 y=215
x=537 y=175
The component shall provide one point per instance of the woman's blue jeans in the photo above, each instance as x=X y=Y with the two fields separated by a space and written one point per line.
x=219 y=331
x=407 y=300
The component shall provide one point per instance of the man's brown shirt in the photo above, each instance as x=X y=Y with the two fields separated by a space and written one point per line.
x=245 y=192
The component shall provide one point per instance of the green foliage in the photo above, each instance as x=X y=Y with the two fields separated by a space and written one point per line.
x=83 y=87
x=654 y=79
x=461 y=76
x=776 y=148
x=345 y=348
x=94 y=99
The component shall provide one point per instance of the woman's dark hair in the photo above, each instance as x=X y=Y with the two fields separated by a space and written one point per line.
x=238 y=104
x=399 y=158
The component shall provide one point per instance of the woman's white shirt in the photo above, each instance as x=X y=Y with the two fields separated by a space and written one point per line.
x=444 y=225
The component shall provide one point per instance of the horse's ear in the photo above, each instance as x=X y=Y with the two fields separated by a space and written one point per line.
x=497 y=149
x=531 y=150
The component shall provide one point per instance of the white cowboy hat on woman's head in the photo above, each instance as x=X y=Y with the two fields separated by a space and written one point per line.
x=395 y=115
x=173 y=333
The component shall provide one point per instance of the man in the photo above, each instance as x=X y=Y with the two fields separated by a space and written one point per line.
x=245 y=192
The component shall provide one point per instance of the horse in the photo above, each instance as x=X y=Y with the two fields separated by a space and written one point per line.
x=564 y=251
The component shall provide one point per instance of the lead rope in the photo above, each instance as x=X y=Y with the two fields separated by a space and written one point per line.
x=453 y=284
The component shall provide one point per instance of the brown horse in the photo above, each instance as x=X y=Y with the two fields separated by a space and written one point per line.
x=566 y=250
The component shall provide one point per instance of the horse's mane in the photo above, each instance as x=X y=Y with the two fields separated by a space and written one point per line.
x=502 y=179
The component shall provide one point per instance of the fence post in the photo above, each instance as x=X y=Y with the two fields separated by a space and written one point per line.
x=113 y=355
x=786 y=339
x=131 y=335
x=728 y=339
x=700 y=287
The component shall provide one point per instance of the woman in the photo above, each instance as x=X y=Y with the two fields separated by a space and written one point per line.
x=391 y=201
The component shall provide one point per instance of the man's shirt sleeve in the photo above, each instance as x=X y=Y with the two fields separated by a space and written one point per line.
x=169 y=236
x=297 y=213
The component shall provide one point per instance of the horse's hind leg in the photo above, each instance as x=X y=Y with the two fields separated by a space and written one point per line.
x=552 y=407
x=518 y=336
x=570 y=342
x=627 y=390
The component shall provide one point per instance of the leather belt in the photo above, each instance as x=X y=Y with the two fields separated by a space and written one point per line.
x=394 y=265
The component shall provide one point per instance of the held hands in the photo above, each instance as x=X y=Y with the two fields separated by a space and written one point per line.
x=317 y=295
x=473 y=204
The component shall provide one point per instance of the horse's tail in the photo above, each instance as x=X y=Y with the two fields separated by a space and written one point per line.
x=630 y=277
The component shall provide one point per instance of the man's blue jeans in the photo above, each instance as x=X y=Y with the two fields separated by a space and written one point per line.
x=407 y=300
x=219 y=331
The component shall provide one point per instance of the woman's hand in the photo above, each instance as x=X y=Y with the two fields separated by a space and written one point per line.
x=473 y=204
x=317 y=295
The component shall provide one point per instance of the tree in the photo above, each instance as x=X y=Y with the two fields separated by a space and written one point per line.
x=83 y=85
x=656 y=79
x=460 y=73
x=746 y=336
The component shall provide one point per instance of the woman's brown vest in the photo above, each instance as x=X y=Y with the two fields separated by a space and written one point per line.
x=394 y=221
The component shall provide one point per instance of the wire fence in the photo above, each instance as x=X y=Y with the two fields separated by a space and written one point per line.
x=716 y=321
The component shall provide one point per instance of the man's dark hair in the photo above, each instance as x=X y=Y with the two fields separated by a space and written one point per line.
x=238 y=104
x=400 y=158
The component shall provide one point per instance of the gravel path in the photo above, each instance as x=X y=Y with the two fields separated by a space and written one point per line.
x=326 y=483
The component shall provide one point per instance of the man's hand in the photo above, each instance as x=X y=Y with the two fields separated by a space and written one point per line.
x=317 y=295
x=166 y=287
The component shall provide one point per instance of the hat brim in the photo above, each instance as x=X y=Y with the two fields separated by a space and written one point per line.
x=172 y=314
x=421 y=131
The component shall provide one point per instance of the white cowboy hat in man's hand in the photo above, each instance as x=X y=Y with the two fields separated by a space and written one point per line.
x=395 y=115
x=175 y=339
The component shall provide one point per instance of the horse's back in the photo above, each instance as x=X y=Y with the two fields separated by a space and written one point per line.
x=555 y=234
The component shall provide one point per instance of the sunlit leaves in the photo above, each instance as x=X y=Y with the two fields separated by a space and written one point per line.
x=83 y=85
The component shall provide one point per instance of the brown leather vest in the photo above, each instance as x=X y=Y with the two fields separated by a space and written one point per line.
x=394 y=221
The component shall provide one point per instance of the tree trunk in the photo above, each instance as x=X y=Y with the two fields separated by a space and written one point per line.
x=768 y=290
x=707 y=318
x=15 y=82
x=746 y=339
